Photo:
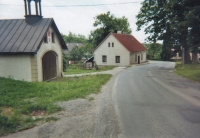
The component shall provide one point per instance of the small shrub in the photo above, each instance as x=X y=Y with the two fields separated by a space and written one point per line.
x=95 y=66
x=5 y=122
x=8 y=125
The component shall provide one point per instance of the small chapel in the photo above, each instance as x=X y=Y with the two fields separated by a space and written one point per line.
x=31 y=48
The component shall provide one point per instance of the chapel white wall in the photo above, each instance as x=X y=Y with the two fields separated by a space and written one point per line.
x=45 y=47
x=17 y=67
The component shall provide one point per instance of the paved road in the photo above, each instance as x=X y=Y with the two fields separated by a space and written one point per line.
x=153 y=102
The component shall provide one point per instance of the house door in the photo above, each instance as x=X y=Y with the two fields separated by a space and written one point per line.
x=138 y=59
x=49 y=66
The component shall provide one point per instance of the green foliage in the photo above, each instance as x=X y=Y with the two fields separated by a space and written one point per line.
x=77 y=52
x=24 y=98
x=8 y=125
x=169 y=21
x=107 y=23
x=154 y=50
x=73 y=38
x=96 y=66
x=65 y=61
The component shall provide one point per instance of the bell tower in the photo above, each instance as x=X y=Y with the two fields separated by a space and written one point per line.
x=30 y=17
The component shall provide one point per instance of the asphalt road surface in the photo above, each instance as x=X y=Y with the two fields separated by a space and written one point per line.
x=153 y=102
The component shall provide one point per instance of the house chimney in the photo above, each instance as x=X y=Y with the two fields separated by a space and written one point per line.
x=32 y=18
x=119 y=32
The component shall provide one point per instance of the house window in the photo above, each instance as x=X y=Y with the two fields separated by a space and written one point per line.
x=109 y=44
x=104 y=58
x=141 y=56
x=53 y=38
x=117 y=59
x=135 y=58
x=112 y=44
x=45 y=39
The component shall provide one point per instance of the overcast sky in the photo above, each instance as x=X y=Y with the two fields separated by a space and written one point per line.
x=77 y=16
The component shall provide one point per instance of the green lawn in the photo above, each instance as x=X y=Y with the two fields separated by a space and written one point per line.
x=19 y=100
x=72 y=70
x=190 y=71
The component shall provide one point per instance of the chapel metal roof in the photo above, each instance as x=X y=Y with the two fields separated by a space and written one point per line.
x=17 y=36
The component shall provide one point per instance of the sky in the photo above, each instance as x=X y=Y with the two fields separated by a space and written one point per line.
x=77 y=16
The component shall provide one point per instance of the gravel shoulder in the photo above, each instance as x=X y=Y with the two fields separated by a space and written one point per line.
x=82 y=118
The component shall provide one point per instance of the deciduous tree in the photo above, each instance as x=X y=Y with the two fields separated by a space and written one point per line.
x=107 y=23
x=169 y=21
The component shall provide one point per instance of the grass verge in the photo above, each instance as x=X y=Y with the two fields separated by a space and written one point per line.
x=190 y=71
x=21 y=102
x=76 y=70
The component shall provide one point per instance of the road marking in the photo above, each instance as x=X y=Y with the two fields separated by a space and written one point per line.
x=116 y=81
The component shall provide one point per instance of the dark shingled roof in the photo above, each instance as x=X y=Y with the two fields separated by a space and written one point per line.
x=70 y=46
x=16 y=36
x=128 y=41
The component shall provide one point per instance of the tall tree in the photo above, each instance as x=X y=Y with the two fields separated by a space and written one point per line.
x=165 y=20
x=177 y=10
x=155 y=18
x=154 y=50
x=107 y=23
x=193 y=22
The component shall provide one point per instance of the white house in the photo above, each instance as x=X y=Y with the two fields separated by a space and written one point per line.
x=31 y=48
x=119 y=50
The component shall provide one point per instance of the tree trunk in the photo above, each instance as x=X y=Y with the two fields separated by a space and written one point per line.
x=185 y=55
x=194 y=55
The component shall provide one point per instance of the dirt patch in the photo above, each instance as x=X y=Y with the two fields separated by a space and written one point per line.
x=38 y=113
x=7 y=111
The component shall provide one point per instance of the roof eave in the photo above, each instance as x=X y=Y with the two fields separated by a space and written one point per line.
x=62 y=42
x=18 y=53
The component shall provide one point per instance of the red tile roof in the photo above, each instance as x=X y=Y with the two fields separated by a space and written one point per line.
x=129 y=42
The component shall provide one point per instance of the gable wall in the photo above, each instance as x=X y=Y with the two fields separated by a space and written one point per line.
x=16 y=67
x=45 y=47
x=112 y=52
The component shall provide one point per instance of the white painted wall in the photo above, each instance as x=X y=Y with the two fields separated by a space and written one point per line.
x=45 y=47
x=135 y=61
x=111 y=52
x=15 y=66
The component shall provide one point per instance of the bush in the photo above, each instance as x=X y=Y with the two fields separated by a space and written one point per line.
x=8 y=125
x=95 y=66
x=65 y=62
